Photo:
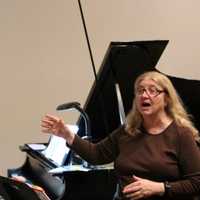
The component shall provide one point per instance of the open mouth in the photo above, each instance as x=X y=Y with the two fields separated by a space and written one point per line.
x=146 y=104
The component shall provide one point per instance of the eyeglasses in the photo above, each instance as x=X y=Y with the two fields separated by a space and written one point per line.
x=150 y=91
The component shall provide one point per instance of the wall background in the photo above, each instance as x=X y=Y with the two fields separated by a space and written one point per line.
x=44 y=60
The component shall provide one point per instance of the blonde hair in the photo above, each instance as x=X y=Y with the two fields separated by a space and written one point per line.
x=174 y=108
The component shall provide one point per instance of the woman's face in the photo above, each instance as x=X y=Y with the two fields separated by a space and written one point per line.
x=150 y=98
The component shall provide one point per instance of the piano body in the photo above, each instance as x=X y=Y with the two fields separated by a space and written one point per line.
x=123 y=62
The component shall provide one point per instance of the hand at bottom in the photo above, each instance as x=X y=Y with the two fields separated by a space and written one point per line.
x=143 y=188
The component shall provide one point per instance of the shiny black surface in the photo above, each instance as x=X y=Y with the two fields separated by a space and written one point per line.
x=123 y=62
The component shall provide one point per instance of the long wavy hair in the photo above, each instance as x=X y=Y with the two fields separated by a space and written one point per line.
x=174 y=108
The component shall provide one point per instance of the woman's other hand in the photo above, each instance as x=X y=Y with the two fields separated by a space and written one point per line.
x=143 y=188
x=55 y=125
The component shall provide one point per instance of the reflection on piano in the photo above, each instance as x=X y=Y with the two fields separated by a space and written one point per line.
x=123 y=62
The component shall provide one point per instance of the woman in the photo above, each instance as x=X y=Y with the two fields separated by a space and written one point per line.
x=155 y=154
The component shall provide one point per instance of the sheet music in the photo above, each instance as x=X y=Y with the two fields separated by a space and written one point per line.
x=57 y=150
x=70 y=168
x=36 y=147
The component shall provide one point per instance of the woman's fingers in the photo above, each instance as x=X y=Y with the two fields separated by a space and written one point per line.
x=51 y=124
x=46 y=123
x=131 y=190
x=55 y=125
x=135 y=195
x=135 y=189
x=132 y=187
x=51 y=118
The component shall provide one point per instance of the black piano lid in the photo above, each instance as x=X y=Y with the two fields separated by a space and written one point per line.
x=123 y=62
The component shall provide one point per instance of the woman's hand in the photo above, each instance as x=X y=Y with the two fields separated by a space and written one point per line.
x=55 y=125
x=143 y=188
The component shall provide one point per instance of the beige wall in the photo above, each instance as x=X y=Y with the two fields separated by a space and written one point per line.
x=44 y=59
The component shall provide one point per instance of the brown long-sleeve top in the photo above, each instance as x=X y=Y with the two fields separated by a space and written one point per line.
x=171 y=156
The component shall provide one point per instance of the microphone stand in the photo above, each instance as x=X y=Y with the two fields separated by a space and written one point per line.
x=76 y=105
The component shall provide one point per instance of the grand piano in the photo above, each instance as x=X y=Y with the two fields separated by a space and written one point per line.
x=122 y=63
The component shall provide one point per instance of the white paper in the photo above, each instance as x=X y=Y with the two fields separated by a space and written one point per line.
x=57 y=150
x=68 y=168
x=36 y=146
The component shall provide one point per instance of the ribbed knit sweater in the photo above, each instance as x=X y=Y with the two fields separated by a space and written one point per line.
x=171 y=155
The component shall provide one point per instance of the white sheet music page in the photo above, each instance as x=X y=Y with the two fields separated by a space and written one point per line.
x=57 y=150
x=36 y=147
